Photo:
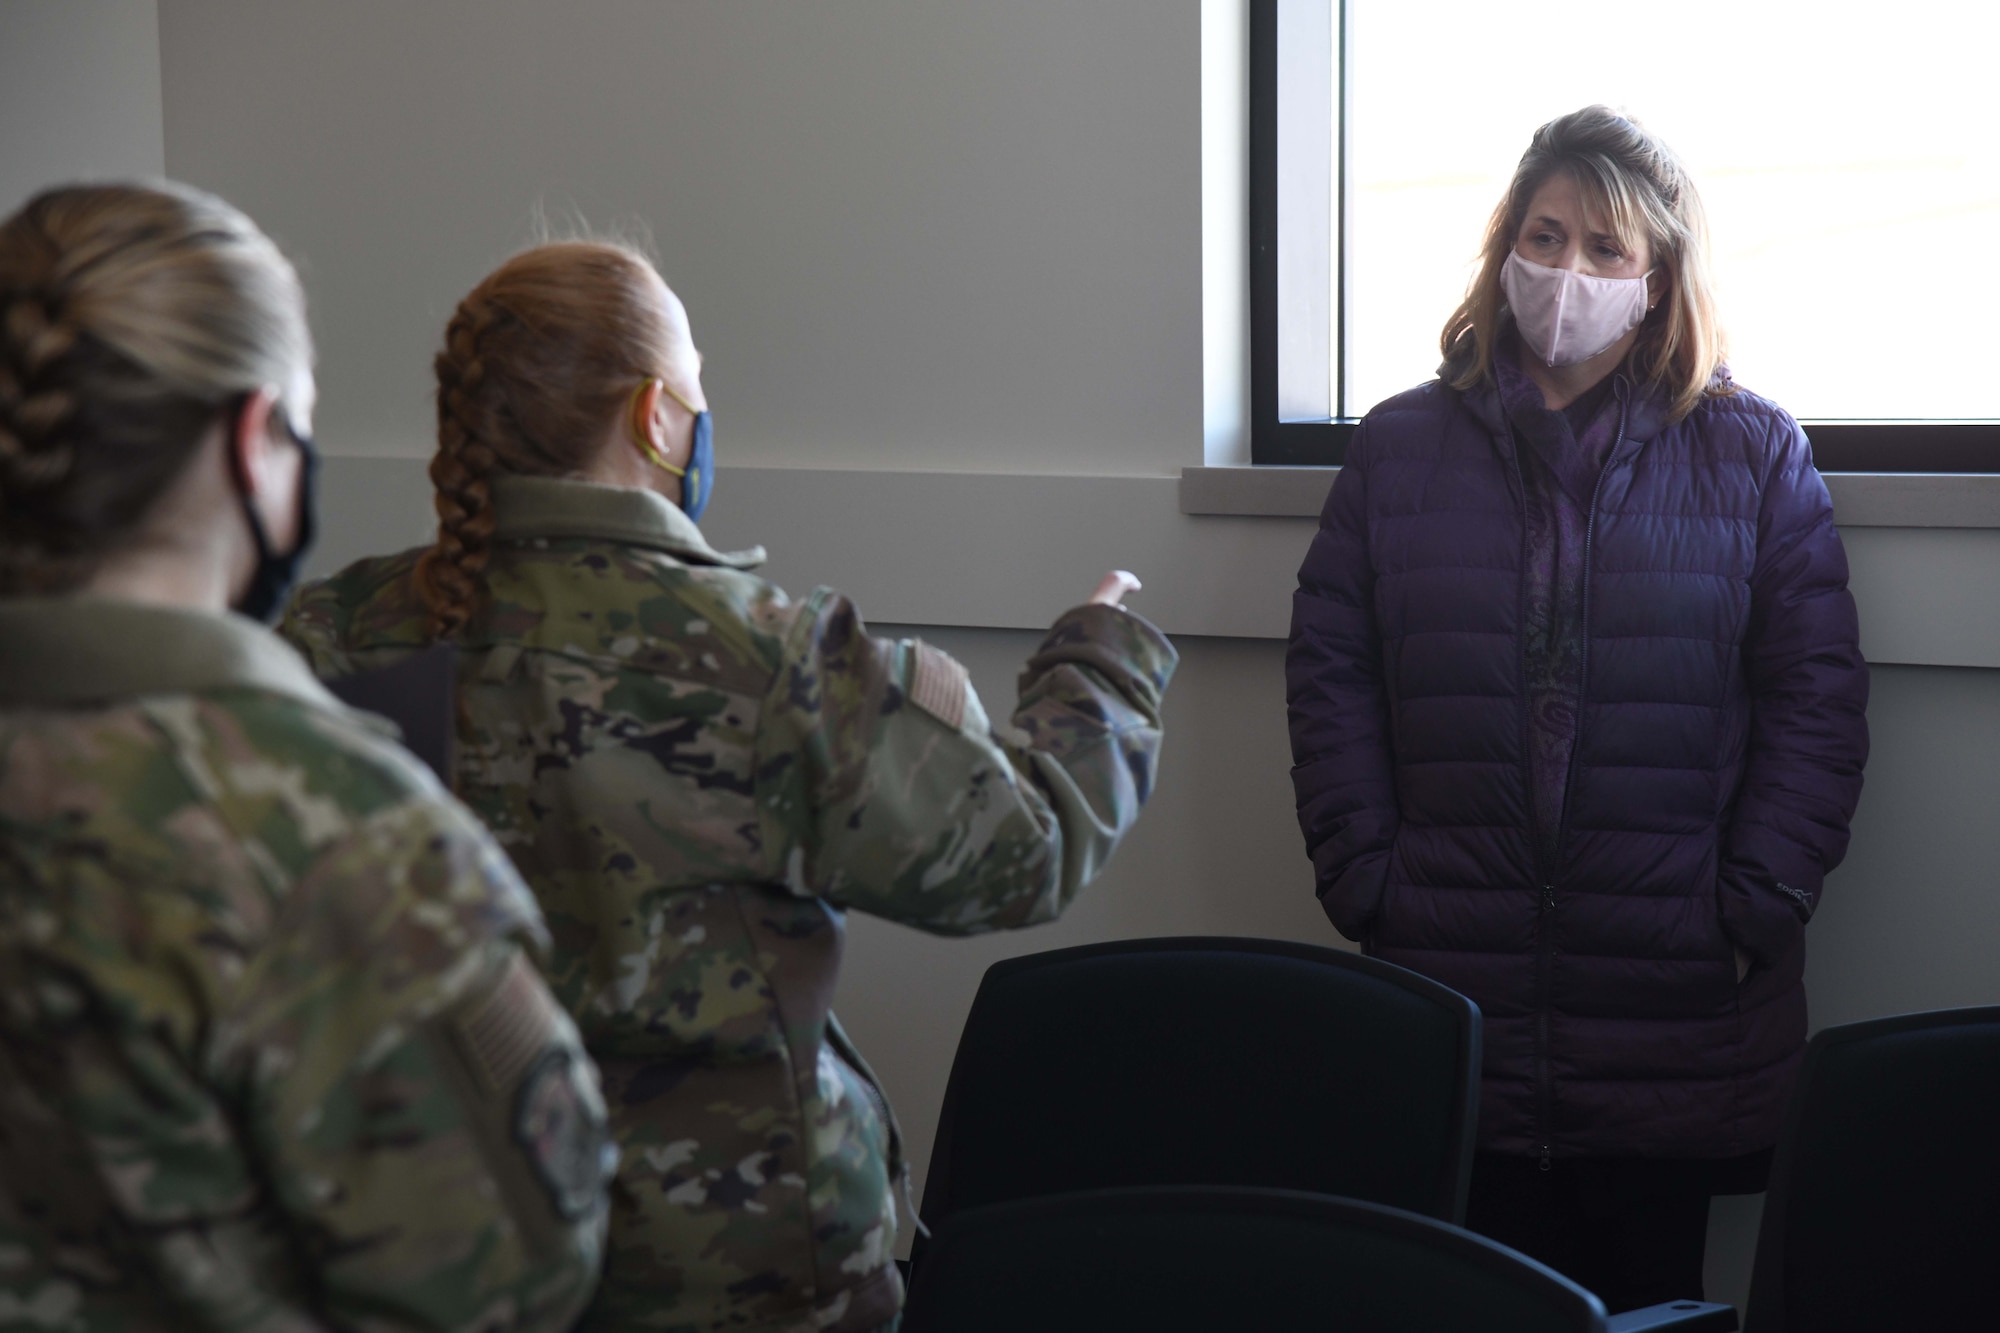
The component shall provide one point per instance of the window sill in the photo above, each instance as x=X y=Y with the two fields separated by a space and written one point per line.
x=1860 y=499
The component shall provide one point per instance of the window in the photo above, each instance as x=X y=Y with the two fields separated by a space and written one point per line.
x=1845 y=156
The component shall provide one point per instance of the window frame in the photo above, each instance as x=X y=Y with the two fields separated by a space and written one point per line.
x=1908 y=446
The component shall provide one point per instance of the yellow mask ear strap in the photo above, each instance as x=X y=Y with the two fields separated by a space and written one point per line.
x=644 y=436
x=677 y=398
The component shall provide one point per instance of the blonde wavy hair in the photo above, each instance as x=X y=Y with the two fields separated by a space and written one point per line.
x=1632 y=179
x=131 y=317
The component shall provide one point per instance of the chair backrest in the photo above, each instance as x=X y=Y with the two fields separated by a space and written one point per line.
x=420 y=695
x=1209 y=1061
x=1206 y=1258
x=1884 y=1206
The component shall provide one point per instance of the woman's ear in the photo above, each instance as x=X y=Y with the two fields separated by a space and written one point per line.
x=266 y=469
x=648 y=423
x=1658 y=283
x=248 y=445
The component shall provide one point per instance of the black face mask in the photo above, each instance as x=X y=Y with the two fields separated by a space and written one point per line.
x=271 y=582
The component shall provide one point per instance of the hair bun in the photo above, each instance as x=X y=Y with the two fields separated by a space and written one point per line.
x=128 y=315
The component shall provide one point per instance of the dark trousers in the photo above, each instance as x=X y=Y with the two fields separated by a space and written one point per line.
x=1633 y=1231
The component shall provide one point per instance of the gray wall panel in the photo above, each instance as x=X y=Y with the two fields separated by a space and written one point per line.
x=911 y=235
x=79 y=94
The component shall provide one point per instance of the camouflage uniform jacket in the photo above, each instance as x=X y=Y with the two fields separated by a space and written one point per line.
x=697 y=776
x=271 y=1055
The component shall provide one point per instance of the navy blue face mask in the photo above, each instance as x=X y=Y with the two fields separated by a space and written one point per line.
x=698 y=482
x=271 y=581
x=698 y=477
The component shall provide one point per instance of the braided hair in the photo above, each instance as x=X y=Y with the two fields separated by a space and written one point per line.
x=538 y=361
x=130 y=318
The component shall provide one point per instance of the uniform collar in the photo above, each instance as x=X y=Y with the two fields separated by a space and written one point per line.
x=77 y=650
x=526 y=507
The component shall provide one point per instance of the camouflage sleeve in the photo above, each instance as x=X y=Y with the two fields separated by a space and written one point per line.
x=421 y=1105
x=312 y=624
x=882 y=785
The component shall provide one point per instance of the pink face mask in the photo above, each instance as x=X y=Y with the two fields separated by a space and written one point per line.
x=1566 y=317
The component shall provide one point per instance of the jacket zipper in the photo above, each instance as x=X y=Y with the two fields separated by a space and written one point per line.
x=1547 y=901
x=1545 y=918
x=1544 y=966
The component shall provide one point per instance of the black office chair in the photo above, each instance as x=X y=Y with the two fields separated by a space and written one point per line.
x=1209 y=1061
x=1884 y=1206
x=1206 y=1259
x=420 y=695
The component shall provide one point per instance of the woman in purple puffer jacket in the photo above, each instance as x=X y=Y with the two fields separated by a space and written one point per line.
x=1577 y=714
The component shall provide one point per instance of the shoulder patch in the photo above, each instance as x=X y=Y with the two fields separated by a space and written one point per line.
x=561 y=1126
x=938 y=685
